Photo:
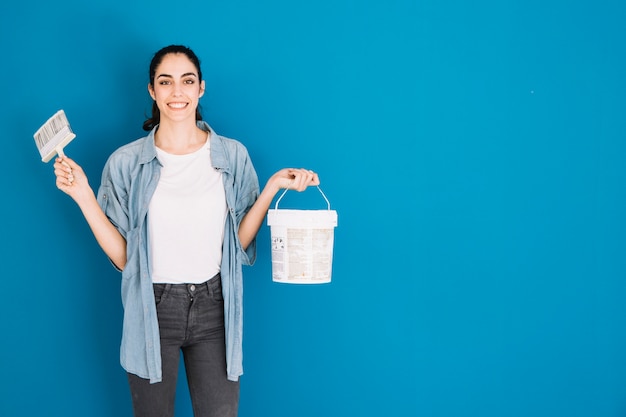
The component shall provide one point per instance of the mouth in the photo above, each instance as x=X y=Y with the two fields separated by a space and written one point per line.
x=177 y=105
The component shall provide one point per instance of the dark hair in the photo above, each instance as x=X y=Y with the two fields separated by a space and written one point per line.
x=154 y=120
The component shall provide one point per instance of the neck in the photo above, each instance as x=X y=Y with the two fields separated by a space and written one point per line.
x=179 y=139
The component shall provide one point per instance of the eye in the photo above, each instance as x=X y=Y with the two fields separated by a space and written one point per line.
x=189 y=81
x=164 y=82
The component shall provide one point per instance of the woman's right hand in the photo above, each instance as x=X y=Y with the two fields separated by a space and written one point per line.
x=71 y=179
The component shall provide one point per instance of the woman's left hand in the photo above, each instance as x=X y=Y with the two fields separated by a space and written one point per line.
x=295 y=179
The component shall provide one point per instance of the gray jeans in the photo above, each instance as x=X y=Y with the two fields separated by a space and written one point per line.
x=191 y=320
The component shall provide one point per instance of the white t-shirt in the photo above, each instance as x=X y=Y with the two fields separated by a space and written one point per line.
x=186 y=218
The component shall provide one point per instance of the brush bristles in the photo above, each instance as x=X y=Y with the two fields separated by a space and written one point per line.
x=52 y=137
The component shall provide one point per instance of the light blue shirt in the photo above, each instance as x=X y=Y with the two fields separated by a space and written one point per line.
x=129 y=179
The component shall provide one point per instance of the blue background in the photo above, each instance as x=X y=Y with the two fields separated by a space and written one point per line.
x=472 y=149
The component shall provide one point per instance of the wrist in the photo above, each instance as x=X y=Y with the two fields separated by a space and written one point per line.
x=273 y=186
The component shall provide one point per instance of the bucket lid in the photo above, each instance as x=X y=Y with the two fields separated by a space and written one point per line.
x=305 y=219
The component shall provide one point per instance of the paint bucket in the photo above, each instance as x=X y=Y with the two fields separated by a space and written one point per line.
x=302 y=244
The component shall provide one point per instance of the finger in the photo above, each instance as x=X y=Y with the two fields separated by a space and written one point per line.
x=309 y=178
x=62 y=184
x=67 y=163
x=59 y=166
x=61 y=163
x=304 y=179
x=286 y=182
x=296 y=180
x=65 y=158
x=299 y=179
x=65 y=175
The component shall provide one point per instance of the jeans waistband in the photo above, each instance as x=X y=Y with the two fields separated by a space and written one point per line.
x=192 y=287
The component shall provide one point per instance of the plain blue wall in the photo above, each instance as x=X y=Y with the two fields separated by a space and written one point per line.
x=474 y=151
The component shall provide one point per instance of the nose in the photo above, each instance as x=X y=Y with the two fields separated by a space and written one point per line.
x=177 y=89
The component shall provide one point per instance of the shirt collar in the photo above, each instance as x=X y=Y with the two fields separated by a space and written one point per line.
x=218 y=154
x=148 y=149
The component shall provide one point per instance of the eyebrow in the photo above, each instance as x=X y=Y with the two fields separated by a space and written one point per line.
x=184 y=75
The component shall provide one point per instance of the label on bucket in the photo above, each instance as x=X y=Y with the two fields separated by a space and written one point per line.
x=302 y=245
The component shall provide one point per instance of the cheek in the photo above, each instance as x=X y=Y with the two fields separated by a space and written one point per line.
x=192 y=91
x=160 y=92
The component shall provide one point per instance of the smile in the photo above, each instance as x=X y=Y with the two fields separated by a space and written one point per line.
x=177 y=105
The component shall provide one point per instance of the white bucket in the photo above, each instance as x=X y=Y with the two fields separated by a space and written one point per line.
x=302 y=244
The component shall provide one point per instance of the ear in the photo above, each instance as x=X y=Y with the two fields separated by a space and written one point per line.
x=151 y=91
x=202 y=84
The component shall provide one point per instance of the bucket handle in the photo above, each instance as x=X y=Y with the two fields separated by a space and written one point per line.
x=287 y=189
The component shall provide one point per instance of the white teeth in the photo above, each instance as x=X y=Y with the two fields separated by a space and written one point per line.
x=177 y=105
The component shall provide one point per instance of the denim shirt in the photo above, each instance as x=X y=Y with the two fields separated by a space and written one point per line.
x=129 y=179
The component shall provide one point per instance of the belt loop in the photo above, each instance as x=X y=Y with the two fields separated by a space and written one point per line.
x=209 y=288
x=210 y=284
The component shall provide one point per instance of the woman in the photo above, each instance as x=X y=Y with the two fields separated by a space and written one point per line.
x=178 y=212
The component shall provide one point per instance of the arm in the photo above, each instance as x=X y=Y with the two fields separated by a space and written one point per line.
x=294 y=179
x=71 y=179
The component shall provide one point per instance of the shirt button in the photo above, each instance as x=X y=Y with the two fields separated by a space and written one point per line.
x=192 y=288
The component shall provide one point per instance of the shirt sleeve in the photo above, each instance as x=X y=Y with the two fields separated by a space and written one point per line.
x=246 y=197
x=113 y=199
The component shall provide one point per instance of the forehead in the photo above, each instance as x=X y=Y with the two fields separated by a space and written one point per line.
x=176 y=64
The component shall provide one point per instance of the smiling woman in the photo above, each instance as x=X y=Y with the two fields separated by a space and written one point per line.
x=178 y=212
x=185 y=66
x=177 y=91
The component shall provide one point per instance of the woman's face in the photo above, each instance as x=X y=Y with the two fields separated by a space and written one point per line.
x=176 y=88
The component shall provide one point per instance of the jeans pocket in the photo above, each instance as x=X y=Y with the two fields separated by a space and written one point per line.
x=160 y=292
